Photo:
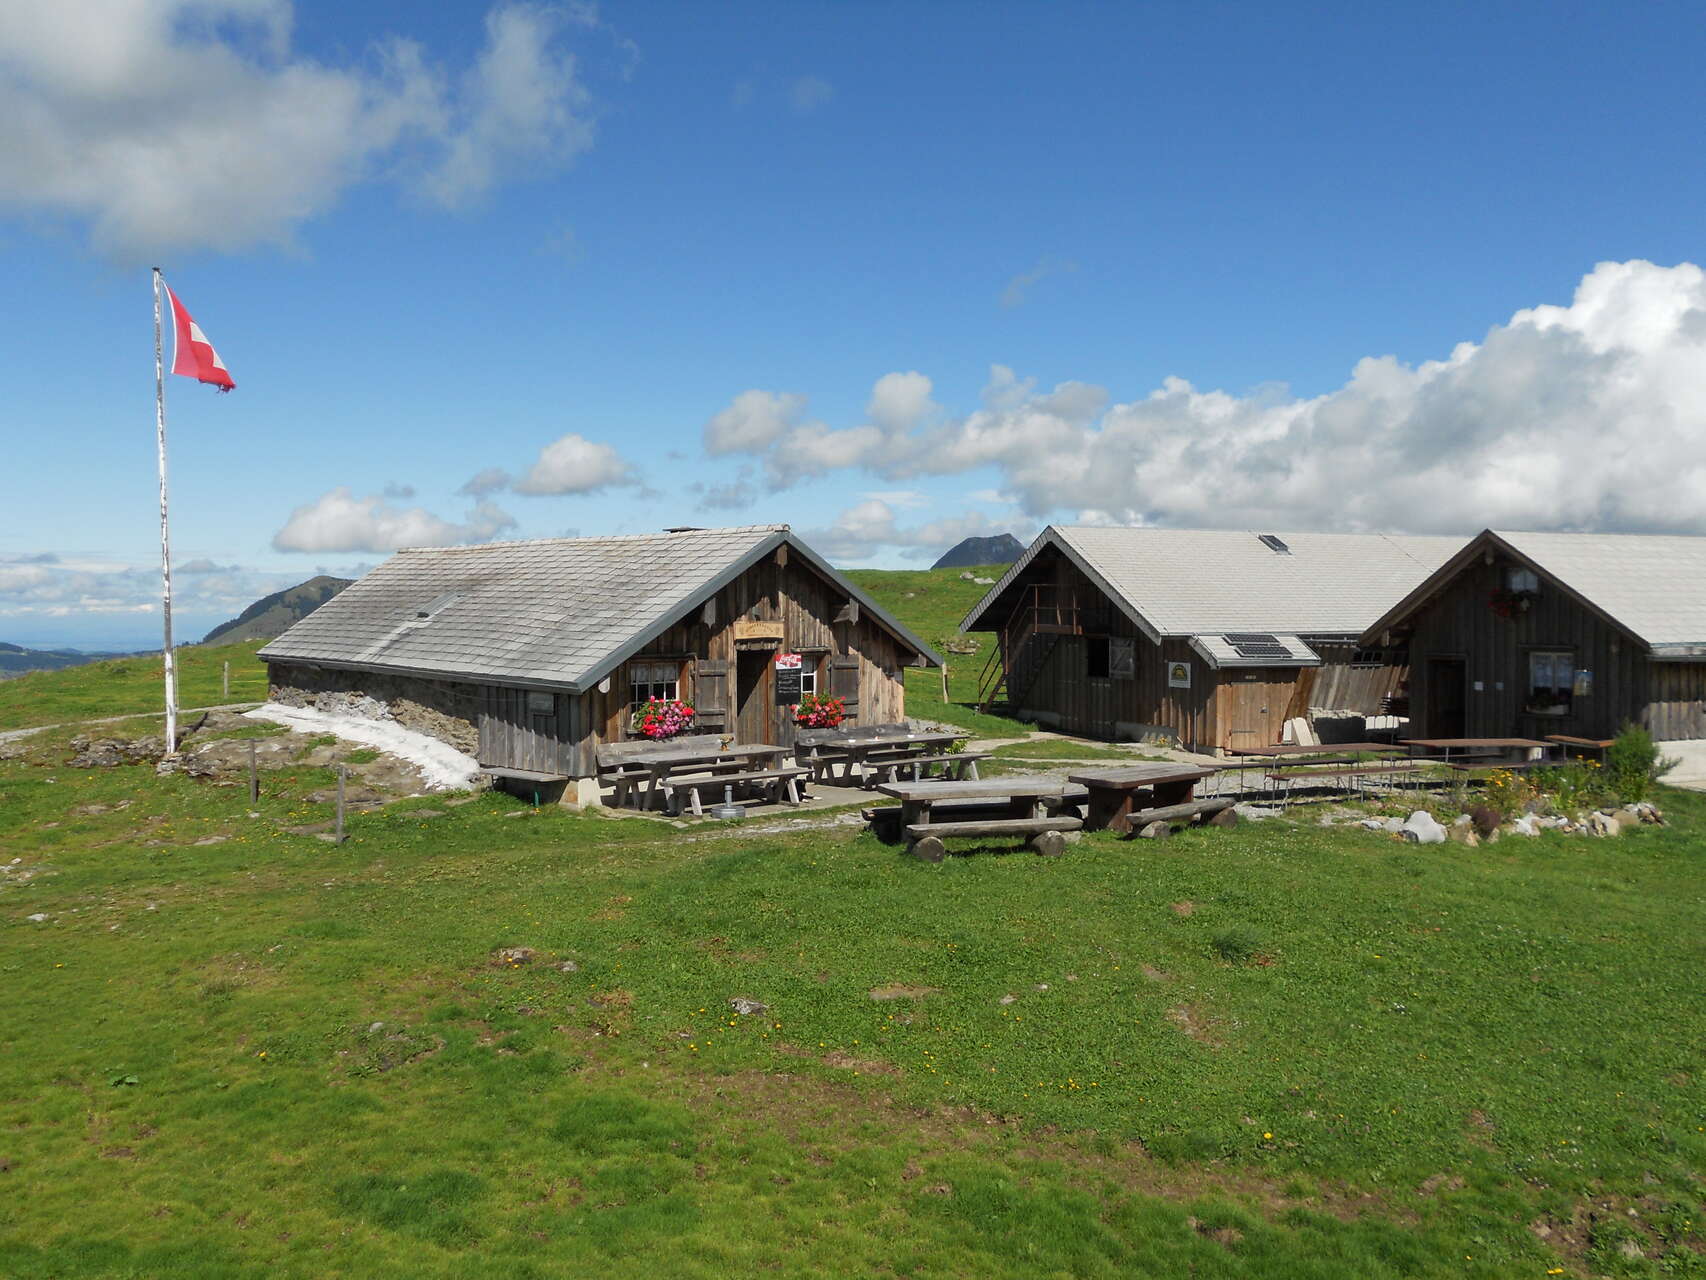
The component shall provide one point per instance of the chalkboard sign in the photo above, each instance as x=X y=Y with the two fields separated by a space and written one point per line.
x=788 y=670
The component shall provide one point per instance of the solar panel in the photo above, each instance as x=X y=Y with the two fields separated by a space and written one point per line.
x=1274 y=543
x=1258 y=646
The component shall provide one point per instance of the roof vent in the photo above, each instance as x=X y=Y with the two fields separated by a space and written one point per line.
x=1272 y=542
x=434 y=605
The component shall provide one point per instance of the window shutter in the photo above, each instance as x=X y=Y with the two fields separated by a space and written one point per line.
x=711 y=695
x=844 y=682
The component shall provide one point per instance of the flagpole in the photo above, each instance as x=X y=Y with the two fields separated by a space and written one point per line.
x=170 y=658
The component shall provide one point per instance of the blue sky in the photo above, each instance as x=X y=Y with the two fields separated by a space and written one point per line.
x=889 y=273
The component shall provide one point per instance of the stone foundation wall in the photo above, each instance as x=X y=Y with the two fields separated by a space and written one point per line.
x=446 y=709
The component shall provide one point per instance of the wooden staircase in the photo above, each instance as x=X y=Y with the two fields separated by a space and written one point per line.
x=1024 y=645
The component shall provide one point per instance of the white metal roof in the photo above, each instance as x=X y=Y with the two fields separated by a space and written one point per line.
x=1188 y=582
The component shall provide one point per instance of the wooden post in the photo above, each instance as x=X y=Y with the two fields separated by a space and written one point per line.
x=225 y=683
x=338 y=833
x=254 y=775
x=944 y=682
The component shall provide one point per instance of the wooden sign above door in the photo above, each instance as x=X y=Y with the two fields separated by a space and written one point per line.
x=752 y=633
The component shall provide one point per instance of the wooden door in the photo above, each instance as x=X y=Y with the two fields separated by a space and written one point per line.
x=1252 y=707
x=753 y=696
x=519 y=729
x=844 y=683
x=1447 y=698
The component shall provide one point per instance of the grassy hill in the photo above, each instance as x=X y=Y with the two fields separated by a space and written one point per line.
x=1280 y=1051
x=931 y=602
x=273 y=615
x=122 y=686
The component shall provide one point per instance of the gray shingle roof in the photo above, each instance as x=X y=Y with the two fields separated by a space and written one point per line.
x=1652 y=584
x=1183 y=582
x=561 y=612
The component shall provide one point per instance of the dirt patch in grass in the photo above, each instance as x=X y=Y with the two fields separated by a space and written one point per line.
x=1194 y=1023
x=901 y=991
x=1184 y=908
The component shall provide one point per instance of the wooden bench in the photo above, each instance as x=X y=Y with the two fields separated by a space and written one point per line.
x=1568 y=741
x=924 y=839
x=780 y=783
x=1158 y=823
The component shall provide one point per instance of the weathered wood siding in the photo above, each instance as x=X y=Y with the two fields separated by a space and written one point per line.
x=1676 y=700
x=1341 y=683
x=858 y=656
x=514 y=736
x=1460 y=622
x=1064 y=696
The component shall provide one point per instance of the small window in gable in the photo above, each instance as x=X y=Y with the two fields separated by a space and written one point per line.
x=1524 y=580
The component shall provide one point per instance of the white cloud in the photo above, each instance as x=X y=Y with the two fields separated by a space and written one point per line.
x=900 y=401
x=45 y=587
x=192 y=124
x=753 y=421
x=520 y=105
x=340 y=521
x=574 y=464
x=490 y=480
x=1019 y=287
x=1586 y=416
x=808 y=93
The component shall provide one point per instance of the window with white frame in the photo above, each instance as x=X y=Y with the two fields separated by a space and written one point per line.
x=808 y=674
x=649 y=680
x=1551 y=677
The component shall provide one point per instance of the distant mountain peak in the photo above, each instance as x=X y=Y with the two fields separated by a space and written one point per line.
x=1003 y=548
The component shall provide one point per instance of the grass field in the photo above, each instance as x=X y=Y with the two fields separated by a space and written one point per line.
x=1280 y=1051
x=122 y=686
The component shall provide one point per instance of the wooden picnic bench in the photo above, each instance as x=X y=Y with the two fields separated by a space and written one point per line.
x=621 y=764
x=1117 y=797
x=881 y=753
x=1580 y=745
x=777 y=785
x=1026 y=801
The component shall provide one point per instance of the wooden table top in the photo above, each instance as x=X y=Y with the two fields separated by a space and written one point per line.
x=987 y=789
x=896 y=740
x=1142 y=775
x=702 y=755
x=1325 y=748
x=1446 y=744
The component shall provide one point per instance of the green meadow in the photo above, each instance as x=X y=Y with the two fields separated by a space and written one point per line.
x=231 y=1049
x=1282 y=1050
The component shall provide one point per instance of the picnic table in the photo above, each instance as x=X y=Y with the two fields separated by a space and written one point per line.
x=1114 y=803
x=1027 y=803
x=691 y=768
x=887 y=754
x=1489 y=751
x=1291 y=763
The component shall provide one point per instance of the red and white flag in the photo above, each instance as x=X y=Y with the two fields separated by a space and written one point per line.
x=195 y=356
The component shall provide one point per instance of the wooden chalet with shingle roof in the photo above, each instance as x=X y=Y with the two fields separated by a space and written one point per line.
x=1212 y=638
x=1541 y=634
x=530 y=655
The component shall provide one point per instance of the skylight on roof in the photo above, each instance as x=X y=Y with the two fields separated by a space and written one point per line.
x=1273 y=543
